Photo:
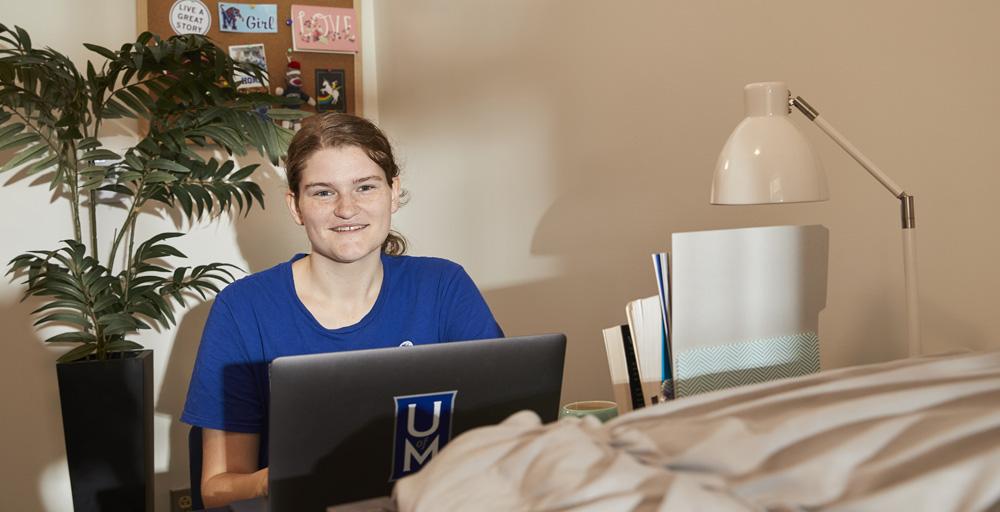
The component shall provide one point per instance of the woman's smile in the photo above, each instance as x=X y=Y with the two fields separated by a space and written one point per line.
x=350 y=228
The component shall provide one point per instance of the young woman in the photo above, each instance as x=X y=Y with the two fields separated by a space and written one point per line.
x=354 y=290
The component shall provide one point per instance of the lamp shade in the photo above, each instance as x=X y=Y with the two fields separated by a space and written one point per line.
x=767 y=159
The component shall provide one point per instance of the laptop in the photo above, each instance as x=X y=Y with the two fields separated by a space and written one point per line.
x=345 y=426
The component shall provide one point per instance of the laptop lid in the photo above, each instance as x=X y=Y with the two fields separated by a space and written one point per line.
x=344 y=426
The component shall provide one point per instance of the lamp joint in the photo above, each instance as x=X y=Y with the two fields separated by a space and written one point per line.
x=804 y=107
x=906 y=208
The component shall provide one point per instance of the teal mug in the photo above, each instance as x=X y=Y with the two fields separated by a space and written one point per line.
x=603 y=410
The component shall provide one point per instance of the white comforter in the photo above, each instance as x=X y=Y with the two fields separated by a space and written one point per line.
x=918 y=434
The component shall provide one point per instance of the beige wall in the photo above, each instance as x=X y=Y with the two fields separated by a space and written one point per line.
x=550 y=146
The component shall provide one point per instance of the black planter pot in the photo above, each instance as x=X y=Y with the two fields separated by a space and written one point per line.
x=107 y=409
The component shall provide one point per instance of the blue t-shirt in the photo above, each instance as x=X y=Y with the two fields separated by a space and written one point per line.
x=260 y=317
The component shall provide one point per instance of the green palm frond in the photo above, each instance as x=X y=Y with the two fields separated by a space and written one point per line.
x=51 y=113
x=79 y=287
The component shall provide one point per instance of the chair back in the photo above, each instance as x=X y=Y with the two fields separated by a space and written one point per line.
x=194 y=458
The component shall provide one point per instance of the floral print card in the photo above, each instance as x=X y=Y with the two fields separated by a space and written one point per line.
x=324 y=29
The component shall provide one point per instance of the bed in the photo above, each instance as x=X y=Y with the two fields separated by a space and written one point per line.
x=918 y=434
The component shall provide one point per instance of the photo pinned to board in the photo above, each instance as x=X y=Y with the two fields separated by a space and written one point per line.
x=252 y=54
x=331 y=94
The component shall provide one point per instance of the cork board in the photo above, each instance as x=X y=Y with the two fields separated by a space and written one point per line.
x=154 y=16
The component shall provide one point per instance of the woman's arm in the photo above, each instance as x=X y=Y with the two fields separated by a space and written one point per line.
x=229 y=467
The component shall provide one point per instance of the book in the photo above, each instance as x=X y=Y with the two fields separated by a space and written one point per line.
x=617 y=368
x=625 y=380
x=661 y=270
x=646 y=326
x=632 y=365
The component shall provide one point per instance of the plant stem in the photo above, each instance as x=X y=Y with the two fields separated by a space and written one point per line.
x=93 y=223
x=101 y=343
x=99 y=340
x=129 y=219
x=118 y=238
x=129 y=266
x=92 y=211
x=72 y=179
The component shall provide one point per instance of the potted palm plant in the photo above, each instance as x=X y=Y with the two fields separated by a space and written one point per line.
x=51 y=114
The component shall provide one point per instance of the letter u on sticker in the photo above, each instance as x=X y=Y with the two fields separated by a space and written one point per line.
x=411 y=415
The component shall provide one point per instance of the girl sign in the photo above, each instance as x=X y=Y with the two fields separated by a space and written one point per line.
x=324 y=29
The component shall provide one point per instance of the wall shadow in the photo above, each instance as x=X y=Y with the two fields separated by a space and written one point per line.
x=31 y=434
x=264 y=237
x=269 y=236
x=173 y=392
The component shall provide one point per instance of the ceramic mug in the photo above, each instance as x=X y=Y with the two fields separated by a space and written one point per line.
x=603 y=410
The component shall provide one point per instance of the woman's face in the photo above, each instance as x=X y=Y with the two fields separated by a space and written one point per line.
x=345 y=204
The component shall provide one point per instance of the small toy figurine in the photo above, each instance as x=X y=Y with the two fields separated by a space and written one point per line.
x=293 y=89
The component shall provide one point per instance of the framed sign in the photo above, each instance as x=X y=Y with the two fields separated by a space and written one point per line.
x=331 y=93
x=251 y=18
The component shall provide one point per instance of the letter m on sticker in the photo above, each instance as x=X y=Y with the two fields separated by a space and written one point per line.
x=422 y=427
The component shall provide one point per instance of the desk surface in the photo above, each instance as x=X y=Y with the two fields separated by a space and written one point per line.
x=383 y=504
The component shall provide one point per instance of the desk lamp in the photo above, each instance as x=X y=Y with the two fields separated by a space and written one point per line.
x=767 y=160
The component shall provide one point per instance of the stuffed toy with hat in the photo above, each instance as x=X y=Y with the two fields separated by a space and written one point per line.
x=293 y=90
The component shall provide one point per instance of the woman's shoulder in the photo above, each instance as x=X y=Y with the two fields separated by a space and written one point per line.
x=424 y=265
x=266 y=281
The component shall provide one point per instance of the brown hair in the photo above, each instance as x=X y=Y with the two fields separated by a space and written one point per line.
x=331 y=130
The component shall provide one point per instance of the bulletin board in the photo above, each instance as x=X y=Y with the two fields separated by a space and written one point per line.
x=153 y=15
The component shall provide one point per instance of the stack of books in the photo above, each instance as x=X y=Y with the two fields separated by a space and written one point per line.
x=735 y=307
x=639 y=350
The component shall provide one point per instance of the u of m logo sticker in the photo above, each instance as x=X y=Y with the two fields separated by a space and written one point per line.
x=422 y=427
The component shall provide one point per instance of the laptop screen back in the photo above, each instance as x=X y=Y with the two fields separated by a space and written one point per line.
x=344 y=426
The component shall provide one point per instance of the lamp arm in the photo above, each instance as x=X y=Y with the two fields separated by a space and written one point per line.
x=908 y=220
x=828 y=129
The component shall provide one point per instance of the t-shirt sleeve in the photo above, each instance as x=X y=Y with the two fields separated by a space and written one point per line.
x=466 y=315
x=224 y=393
